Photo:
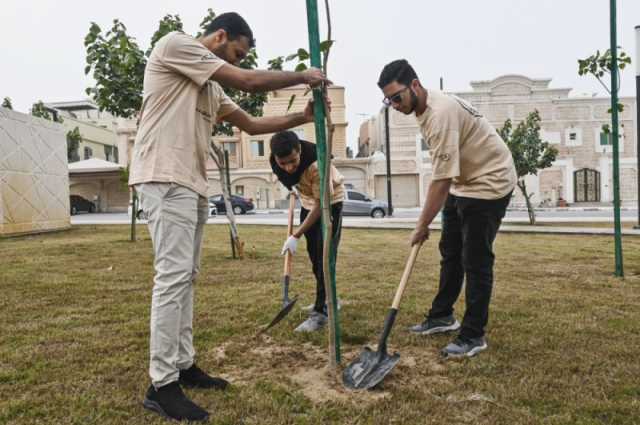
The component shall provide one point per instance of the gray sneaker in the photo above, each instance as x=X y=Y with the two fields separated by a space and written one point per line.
x=315 y=322
x=436 y=326
x=464 y=347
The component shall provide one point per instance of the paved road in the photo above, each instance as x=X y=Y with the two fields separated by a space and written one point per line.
x=406 y=215
x=512 y=224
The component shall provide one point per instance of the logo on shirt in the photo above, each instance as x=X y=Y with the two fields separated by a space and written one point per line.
x=444 y=157
x=209 y=56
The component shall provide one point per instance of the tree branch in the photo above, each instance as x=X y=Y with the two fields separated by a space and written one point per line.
x=218 y=157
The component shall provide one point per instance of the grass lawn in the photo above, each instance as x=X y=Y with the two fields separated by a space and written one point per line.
x=563 y=333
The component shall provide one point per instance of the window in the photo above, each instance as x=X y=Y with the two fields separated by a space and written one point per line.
x=422 y=148
x=240 y=190
x=604 y=141
x=108 y=153
x=257 y=148
x=88 y=152
x=423 y=145
x=229 y=147
x=573 y=136
x=355 y=196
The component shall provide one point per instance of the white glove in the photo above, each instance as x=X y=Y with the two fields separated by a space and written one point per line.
x=290 y=244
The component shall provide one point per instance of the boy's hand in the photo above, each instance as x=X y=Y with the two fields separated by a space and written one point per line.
x=290 y=245
x=308 y=110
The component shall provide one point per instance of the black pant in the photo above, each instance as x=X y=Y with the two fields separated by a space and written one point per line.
x=314 y=248
x=469 y=227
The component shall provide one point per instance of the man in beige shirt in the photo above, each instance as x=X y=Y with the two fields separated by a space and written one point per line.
x=183 y=99
x=473 y=176
x=295 y=163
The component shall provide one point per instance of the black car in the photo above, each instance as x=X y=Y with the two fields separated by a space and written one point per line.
x=239 y=204
x=77 y=204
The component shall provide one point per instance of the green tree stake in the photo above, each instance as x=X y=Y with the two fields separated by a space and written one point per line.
x=324 y=164
x=616 y=141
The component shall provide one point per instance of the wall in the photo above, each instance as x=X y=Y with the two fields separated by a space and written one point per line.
x=34 y=180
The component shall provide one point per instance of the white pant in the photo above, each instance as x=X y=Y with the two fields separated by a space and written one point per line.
x=176 y=222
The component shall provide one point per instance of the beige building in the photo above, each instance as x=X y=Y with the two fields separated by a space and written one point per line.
x=96 y=171
x=583 y=171
x=101 y=182
x=97 y=129
x=250 y=172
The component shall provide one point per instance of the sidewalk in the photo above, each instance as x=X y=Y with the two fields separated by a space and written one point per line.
x=407 y=223
x=401 y=223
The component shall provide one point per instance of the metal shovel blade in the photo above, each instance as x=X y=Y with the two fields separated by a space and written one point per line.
x=369 y=369
x=286 y=309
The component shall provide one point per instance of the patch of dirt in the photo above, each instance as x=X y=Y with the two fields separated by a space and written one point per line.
x=321 y=385
x=302 y=365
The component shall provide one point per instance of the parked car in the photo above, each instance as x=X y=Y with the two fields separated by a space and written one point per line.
x=79 y=204
x=357 y=203
x=239 y=204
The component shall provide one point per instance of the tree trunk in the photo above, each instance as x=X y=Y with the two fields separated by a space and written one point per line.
x=527 y=197
x=134 y=213
x=218 y=157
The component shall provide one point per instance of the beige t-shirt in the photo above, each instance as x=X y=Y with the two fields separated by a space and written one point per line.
x=179 y=108
x=309 y=186
x=464 y=146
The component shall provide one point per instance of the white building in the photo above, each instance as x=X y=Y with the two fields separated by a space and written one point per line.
x=583 y=171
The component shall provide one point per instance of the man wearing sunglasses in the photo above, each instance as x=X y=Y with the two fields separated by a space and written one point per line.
x=473 y=177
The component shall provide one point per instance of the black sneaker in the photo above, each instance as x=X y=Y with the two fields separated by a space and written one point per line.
x=464 y=347
x=170 y=402
x=194 y=377
x=436 y=326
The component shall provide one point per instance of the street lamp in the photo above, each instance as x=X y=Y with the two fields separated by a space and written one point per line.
x=637 y=59
x=388 y=155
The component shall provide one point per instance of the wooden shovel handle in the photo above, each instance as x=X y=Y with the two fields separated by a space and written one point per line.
x=287 y=255
x=405 y=276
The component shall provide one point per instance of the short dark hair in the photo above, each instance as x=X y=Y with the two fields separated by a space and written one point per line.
x=234 y=25
x=399 y=71
x=284 y=143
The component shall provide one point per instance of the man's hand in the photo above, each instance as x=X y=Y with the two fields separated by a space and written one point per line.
x=314 y=77
x=419 y=235
x=290 y=245
x=308 y=110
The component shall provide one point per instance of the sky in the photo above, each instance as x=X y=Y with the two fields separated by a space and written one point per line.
x=43 y=55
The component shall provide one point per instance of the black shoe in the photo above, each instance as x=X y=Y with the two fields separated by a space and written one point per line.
x=170 y=402
x=194 y=377
x=436 y=326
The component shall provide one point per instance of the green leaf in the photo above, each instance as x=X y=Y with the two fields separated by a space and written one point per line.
x=291 y=99
x=303 y=54
x=301 y=67
x=326 y=45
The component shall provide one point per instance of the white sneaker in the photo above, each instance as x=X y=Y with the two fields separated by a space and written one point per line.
x=315 y=322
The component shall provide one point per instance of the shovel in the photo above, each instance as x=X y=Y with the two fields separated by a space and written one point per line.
x=371 y=367
x=287 y=303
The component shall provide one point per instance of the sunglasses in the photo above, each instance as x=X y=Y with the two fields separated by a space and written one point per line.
x=394 y=98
